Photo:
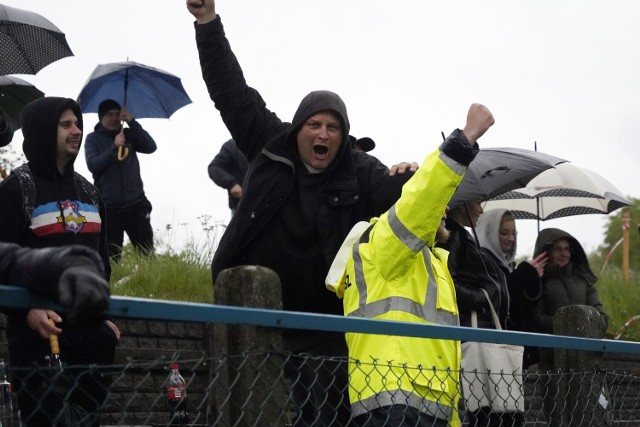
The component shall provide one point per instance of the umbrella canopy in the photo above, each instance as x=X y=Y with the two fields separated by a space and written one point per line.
x=28 y=42
x=498 y=170
x=147 y=92
x=15 y=93
x=567 y=190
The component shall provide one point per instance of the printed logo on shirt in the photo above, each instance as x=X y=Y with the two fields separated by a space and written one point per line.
x=68 y=216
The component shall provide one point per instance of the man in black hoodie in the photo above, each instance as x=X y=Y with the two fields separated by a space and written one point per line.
x=46 y=204
x=306 y=188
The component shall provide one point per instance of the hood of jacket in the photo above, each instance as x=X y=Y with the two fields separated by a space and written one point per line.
x=579 y=259
x=488 y=232
x=314 y=103
x=39 y=121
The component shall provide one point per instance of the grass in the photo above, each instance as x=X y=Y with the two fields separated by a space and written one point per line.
x=621 y=302
x=168 y=276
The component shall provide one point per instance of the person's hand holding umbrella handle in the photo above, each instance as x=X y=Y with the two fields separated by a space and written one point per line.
x=39 y=320
x=123 y=151
x=54 y=358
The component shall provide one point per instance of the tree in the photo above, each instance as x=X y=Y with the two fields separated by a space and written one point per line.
x=614 y=234
x=9 y=158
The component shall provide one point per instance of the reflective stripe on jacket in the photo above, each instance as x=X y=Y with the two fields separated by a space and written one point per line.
x=395 y=272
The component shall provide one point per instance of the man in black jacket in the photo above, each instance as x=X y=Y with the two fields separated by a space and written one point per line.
x=227 y=170
x=307 y=187
x=45 y=204
x=112 y=157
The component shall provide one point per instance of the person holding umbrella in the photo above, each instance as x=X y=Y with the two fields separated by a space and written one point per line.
x=111 y=151
x=45 y=204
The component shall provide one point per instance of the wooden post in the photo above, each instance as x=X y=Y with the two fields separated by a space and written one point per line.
x=625 y=246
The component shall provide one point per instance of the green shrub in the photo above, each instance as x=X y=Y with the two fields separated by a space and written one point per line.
x=621 y=302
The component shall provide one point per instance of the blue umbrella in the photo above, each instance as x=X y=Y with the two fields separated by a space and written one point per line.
x=147 y=92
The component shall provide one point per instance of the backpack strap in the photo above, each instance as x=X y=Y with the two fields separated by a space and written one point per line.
x=28 y=189
x=87 y=188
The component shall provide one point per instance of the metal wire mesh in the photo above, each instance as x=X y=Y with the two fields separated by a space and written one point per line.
x=266 y=389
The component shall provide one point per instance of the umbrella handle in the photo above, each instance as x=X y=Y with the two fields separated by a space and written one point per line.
x=3 y=172
x=123 y=151
x=53 y=340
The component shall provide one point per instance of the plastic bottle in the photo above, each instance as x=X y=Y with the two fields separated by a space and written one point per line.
x=177 y=397
x=8 y=403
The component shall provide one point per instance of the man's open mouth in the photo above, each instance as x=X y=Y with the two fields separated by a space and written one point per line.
x=320 y=150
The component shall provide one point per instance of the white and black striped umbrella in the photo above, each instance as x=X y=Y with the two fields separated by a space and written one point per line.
x=565 y=190
x=28 y=42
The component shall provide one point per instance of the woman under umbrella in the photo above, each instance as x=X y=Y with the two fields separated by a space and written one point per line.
x=568 y=280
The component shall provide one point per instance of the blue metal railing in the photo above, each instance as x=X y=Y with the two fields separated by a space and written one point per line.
x=142 y=308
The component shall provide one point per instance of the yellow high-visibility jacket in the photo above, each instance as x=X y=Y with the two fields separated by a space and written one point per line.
x=393 y=271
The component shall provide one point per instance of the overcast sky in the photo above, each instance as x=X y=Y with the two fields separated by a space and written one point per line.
x=564 y=74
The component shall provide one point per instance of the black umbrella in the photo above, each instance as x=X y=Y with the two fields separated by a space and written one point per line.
x=15 y=93
x=28 y=42
x=497 y=170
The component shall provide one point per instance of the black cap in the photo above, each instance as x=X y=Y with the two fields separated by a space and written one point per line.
x=106 y=106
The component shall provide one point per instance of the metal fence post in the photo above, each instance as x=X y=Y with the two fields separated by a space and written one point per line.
x=581 y=388
x=247 y=391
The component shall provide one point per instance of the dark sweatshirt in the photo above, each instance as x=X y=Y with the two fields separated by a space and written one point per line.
x=63 y=214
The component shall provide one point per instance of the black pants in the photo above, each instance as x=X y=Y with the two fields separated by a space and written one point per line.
x=397 y=416
x=135 y=220
x=41 y=391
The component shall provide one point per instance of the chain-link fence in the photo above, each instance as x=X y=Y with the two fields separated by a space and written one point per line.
x=256 y=390
x=246 y=379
